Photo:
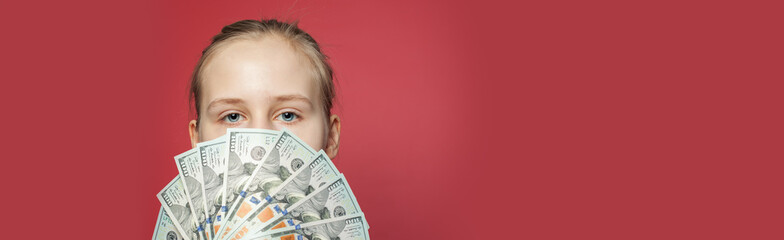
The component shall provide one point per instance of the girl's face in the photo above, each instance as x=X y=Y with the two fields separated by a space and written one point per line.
x=263 y=83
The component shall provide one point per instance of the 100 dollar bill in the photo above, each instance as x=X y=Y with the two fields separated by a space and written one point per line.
x=333 y=200
x=349 y=227
x=189 y=165
x=289 y=154
x=245 y=151
x=302 y=183
x=164 y=228
x=213 y=164
x=175 y=202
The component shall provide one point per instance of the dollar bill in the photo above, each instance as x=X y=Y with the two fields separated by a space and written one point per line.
x=175 y=202
x=245 y=151
x=333 y=200
x=349 y=227
x=304 y=181
x=213 y=164
x=164 y=228
x=289 y=154
x=189 y=165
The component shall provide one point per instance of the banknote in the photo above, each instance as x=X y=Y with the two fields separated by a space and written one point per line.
x=165 y=229
x=258 y=184
x=333 y=200
x=245 y=151
x=175 y=202
x=189 y=165
x=304 y=181
x=348 y=227
x=213 y=164
x=289 y=154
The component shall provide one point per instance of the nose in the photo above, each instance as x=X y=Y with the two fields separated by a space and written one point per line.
x=262 y=122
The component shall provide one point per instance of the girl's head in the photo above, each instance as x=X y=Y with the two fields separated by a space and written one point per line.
x=264 y=74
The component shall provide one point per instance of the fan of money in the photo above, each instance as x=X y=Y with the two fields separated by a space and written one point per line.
x=258 y=184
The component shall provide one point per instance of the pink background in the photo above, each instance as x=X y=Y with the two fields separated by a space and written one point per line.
x=461 y=119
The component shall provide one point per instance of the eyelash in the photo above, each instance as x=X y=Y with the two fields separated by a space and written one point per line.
x=222 y=119
x=297 y=117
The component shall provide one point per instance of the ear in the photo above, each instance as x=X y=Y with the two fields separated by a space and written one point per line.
x=194 y=132
x=333 y=139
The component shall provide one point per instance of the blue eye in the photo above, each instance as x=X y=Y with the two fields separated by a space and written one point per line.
x=232 y=117
x=287 y=116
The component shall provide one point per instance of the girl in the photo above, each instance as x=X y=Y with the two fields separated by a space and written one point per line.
x=263 y=74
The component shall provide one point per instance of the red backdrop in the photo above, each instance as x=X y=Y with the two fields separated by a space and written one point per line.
x=461 y=119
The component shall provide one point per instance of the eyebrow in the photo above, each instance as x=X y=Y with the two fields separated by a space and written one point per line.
x=227 y=101
x=291 y=97
x=281 y=98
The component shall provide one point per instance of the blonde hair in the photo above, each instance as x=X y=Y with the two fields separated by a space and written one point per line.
x=300 y=40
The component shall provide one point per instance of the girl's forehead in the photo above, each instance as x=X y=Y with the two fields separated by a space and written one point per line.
x=258 y=68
